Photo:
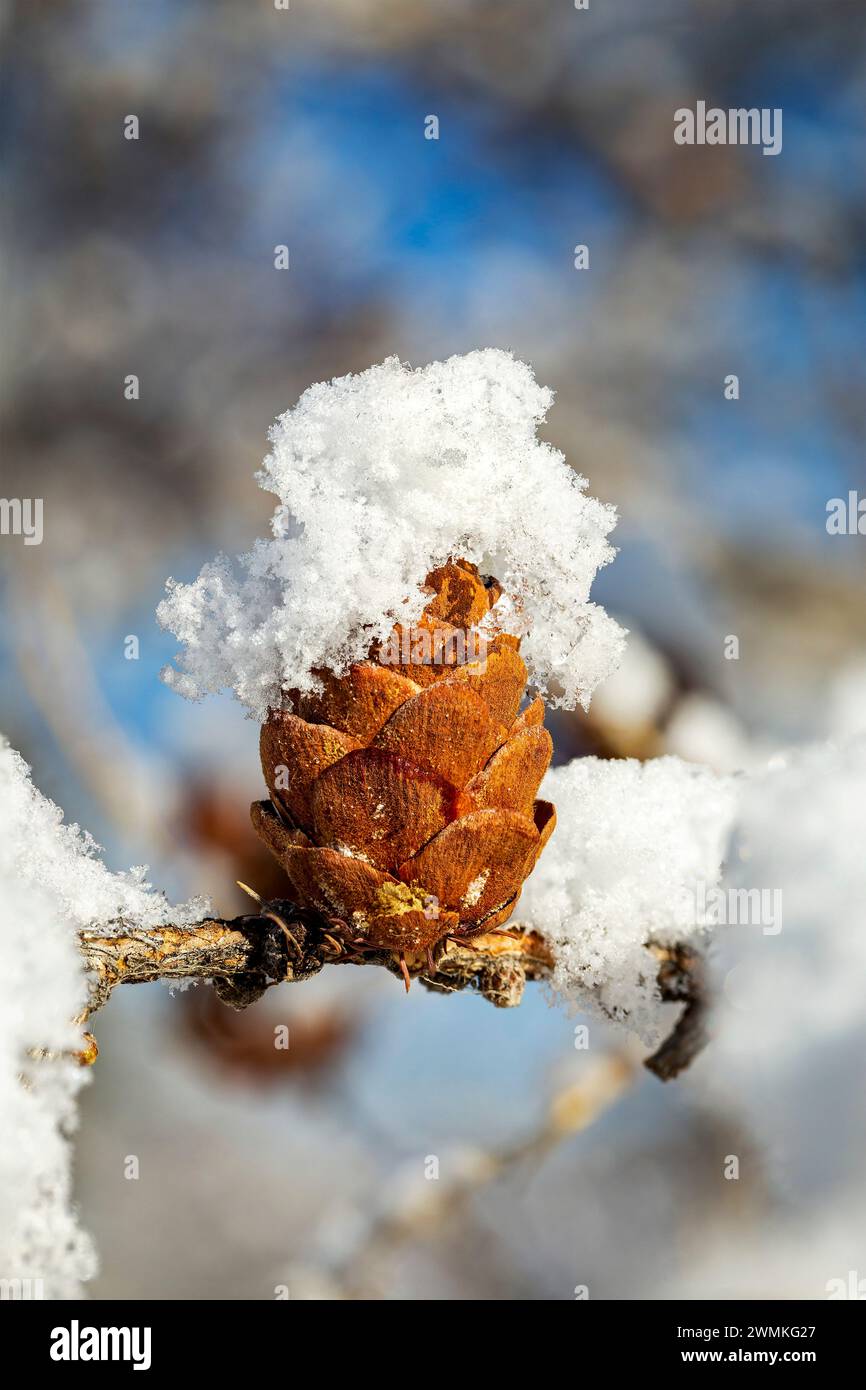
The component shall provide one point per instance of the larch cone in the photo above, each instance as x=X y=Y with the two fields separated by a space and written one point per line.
x=403 y=795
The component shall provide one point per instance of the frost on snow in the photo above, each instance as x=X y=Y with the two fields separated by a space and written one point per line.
x=51 y=884
x=637 y=848
x=380 y=478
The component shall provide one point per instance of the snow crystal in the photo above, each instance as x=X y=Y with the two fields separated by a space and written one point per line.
x=636 y=848
x=381 y=477
x=51 y=883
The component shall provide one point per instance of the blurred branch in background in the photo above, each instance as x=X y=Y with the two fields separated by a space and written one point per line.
x=432 y=1210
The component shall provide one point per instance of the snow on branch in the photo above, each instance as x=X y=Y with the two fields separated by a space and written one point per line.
x=638 y=850
x=52 y=885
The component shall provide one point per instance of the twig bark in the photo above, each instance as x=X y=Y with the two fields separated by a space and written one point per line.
x=244 y=956
x=682 y=980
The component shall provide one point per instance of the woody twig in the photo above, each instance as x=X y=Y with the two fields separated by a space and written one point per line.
x=244 y=956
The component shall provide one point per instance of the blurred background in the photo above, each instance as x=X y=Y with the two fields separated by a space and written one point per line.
x=306 y=1170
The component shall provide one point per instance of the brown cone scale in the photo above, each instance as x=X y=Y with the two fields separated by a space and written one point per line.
x=403 y=794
